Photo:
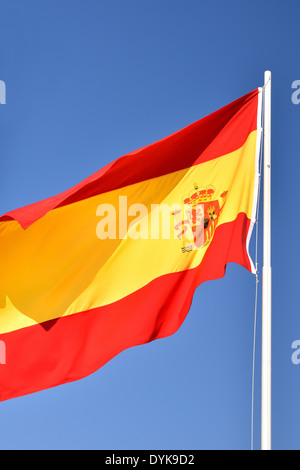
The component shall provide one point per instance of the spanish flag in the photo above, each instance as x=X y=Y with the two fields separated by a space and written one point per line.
x=114 y=261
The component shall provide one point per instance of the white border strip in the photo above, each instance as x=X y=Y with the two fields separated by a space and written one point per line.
x=257 y=176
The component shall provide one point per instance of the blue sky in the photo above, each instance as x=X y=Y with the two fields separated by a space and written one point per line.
x=88 y=81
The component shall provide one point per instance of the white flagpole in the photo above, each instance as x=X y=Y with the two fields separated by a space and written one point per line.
x=266 y=276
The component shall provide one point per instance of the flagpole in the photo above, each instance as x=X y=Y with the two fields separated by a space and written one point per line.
x=266 y=276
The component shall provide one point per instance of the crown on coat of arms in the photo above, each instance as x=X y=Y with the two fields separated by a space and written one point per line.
x=199 y=195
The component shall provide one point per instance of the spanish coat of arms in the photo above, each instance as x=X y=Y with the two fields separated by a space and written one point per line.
x=195 y=226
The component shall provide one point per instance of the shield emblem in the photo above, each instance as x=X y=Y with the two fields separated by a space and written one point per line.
x=211 y=214
x=197 y=224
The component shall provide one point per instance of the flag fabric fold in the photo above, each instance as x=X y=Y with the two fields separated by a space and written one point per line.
x=114 y=261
